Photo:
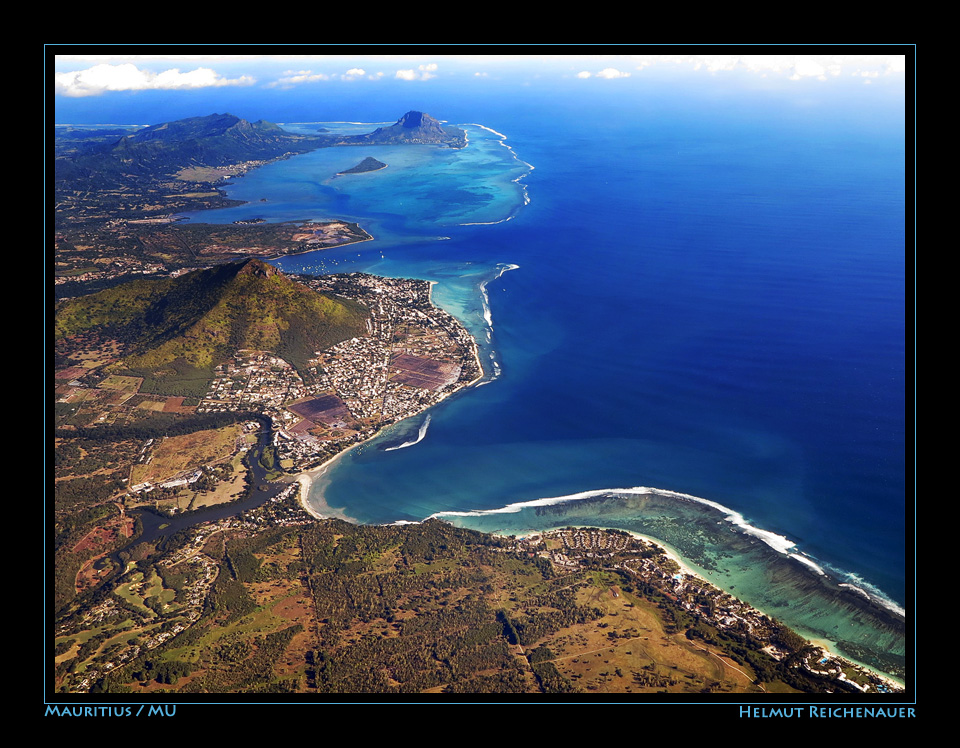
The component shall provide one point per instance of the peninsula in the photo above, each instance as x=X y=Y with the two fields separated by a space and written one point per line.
x=414 y=128
x=411 y=356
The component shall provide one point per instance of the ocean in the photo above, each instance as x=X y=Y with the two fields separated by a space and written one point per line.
x=692 y=317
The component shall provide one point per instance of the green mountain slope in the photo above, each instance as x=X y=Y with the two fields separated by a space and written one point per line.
x=213 y=140
x=197 y=320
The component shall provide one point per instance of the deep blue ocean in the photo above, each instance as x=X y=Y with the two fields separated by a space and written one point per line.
x=701 y=293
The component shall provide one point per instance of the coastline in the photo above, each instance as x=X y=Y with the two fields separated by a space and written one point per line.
x=670 y=552
x=370 y=238
x=828 y=647
x=308 y=478
x=524 y=529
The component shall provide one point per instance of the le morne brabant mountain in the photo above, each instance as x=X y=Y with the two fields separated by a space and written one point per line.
x=413 y=128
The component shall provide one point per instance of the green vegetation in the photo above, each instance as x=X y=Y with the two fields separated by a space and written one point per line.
x=326 y=607
x=135 y=174
x=176 y=330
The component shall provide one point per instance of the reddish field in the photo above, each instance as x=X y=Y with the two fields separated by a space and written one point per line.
x=100 y=537
x=72 y=373
x=326 y=408
x=423 y=372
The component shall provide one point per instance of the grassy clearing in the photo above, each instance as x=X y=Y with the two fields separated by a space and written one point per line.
x=226 y=491
x=629 y=651
x=203 y=174
x=120 y=382
x=138 y=590
x=154 y=405
x=178 y=453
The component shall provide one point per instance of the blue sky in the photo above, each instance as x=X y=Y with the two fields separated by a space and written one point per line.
x=153 y=86
x=84 y=74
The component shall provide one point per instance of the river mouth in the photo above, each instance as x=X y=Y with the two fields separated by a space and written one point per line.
x=155 y=526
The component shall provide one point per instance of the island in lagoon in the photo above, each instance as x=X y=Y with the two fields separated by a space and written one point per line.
x=215 y=409
x=368 y=164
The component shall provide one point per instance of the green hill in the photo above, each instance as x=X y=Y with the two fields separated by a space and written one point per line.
x=195 y=321
x=213 y=140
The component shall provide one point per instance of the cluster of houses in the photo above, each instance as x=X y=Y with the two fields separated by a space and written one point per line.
x=356 y=370
x=415 y=355
x=252 y=379
x=404 y=317
x=116 y=269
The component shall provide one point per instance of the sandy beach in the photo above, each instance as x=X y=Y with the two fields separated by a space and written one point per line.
x=307 y=479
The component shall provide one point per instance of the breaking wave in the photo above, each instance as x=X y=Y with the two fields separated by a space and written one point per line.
x=781 y=544
x=421 y=432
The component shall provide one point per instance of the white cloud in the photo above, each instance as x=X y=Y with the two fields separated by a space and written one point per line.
x=128 y=77
x=795 y=67
x=422 y=73
x=605 y=73
x=807 y=67
x=296 y=77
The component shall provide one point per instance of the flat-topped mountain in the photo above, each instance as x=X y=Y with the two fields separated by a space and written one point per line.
x=415 y=128
x=201 y=318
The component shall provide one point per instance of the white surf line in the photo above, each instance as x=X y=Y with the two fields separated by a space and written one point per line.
x=422 y=432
